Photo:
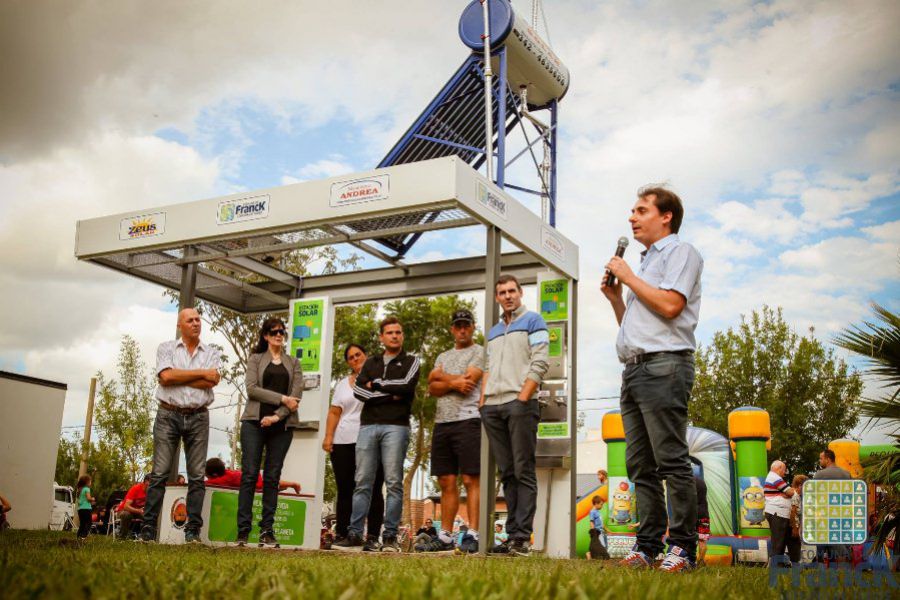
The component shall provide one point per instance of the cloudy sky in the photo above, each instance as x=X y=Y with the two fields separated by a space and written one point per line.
x=777 y=122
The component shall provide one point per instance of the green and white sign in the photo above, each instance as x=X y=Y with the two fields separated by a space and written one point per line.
x=552 y=431
x=555 y=348
x=290 y=518
x=306 y=333
x=555 y=300
x=834 y=511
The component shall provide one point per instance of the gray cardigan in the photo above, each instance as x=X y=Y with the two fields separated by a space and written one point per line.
x=256 y=393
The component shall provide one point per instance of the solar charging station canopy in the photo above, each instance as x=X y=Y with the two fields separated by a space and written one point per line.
x=230 y=242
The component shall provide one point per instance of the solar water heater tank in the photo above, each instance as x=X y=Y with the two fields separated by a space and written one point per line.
x=530 y=60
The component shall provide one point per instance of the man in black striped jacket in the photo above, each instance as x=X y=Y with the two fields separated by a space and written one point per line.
x=387 y=386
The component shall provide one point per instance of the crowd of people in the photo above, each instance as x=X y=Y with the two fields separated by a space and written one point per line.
x=492 y=389
x=367 y=430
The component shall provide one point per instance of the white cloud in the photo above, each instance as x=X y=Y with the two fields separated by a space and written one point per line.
x=37 y=238
x=888 y=232
x=775 y=121
x=327 y=167
x=140 y=69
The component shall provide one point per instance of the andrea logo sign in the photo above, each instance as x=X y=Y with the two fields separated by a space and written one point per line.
x=493 y=201
x=360 y=190
x=142 y=226
x=552 y=243
x=244 y=209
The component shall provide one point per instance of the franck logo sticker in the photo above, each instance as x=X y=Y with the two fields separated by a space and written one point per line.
x=244 y=209
x=369 y=189
x=552 y=242
x=491 y=200
x=142 y=226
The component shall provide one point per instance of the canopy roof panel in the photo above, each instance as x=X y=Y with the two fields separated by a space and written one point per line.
x=237 y=240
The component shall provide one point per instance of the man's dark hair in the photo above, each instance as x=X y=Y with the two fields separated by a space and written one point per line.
x=215 y=467
x=390 y=320
x=596 y=500
x=829 y=454
x=506 y=279
x=665 y=201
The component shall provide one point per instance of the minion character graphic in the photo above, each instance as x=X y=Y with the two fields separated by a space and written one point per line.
x=753 y=503
x=621 y=504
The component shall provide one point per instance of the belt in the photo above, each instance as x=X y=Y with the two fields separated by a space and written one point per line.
x=639 y=358
x=181 y=409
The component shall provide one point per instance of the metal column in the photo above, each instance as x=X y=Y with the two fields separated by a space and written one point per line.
x=573 y=409
x=186 y=299
x=186 y=296
x=501 y=121
x=488 y=499
x=554 y=109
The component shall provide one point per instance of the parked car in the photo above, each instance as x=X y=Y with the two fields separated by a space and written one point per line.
x=62 y=512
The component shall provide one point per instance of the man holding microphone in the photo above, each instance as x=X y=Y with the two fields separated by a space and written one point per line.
x=656 y=344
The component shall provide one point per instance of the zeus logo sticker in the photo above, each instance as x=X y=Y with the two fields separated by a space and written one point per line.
x=244 y=209
x=142 y=226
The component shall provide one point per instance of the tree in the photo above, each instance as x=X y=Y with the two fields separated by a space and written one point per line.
x=811 y=395
x=878 y=342
x=125 y=410
x=106 y=466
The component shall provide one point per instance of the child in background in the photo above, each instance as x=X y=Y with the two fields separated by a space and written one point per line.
x=85 y=502
x=598 y=533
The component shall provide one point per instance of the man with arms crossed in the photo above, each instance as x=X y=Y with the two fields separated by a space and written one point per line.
x=386 y=385
x=517 y=360
x=456 y=439
x=187 y=371
x=656 y=343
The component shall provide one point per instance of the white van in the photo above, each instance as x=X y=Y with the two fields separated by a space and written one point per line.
x=62 y=512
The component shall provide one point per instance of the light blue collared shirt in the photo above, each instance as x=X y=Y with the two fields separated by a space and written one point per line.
x=668 y=264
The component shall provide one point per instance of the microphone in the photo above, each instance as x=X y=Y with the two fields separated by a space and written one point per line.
x=620 y=252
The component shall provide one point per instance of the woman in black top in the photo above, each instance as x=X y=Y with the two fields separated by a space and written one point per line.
x=274 y=386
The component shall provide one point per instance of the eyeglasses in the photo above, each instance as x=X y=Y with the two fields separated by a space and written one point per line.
x=278 y=332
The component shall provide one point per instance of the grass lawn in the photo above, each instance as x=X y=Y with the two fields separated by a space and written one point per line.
x=48 y=564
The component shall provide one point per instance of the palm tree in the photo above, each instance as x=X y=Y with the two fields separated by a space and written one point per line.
x=878 y=342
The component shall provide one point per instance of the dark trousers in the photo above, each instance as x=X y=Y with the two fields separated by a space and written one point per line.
x=275 y=440
x=654 y=403
x=170 y=429
x=793 y=548
x=512 y=430
x=781 y=530
x=127 y=522
x=343 y=463
x=84 y=522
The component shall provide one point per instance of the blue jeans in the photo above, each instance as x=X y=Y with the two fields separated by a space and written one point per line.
x=654 y=406
x=389 y=444
x=276 y=440
x=169 y=429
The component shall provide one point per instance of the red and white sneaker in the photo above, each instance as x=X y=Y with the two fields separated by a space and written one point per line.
x=636 y=559
x=676 y=561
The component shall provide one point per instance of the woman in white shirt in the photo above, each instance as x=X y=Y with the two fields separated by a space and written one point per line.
x=341 y=431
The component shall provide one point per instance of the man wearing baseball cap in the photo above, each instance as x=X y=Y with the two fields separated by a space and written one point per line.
x=456 y=440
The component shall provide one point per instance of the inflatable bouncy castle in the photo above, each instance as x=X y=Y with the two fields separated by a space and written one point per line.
x=733 y=469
